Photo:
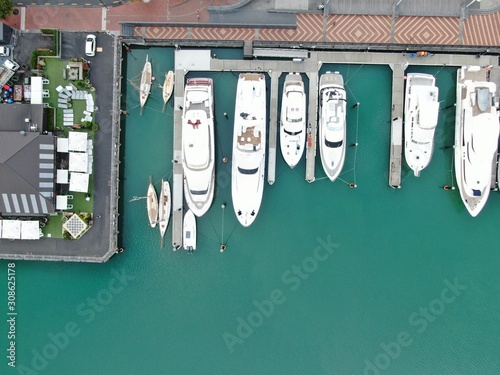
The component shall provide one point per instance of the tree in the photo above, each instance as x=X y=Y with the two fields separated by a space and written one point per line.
x=6 y=8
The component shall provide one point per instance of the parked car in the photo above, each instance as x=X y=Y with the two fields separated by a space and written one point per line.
x=4 y=51
x=90 y=45
x=12 y=65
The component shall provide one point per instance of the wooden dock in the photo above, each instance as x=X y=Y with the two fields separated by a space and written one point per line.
x=396 y=154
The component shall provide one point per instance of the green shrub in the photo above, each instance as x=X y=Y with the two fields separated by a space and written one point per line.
x=35 y=54
x=95 y=127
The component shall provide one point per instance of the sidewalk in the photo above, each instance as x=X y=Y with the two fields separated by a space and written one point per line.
x=475 y=30
x=102 y=19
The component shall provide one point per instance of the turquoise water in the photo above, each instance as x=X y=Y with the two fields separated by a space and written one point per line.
x=323 y=281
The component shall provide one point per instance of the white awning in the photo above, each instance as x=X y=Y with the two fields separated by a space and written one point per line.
x=78 y=162
x=30 y=230
x=20 y=230
x=77 y=141
x=36 y=90
x=62 y=176
x=62 y=145
x=11 y=229
x=79 y=182
x=61 y=202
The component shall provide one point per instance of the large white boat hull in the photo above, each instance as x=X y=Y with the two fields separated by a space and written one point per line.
x=421 y=116
x=332 y=124
x=198 y=145
x=476 y=138
x=249 y=145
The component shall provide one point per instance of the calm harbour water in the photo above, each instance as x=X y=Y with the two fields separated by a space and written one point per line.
x=328 y=280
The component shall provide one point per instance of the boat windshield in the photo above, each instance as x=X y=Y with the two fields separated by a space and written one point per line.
x=199 y=192
x=248 y=171
x=292 y=133
x=333 y=144
x=483 y=99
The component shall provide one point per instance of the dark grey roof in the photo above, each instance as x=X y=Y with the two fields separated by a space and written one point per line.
x=5 y=33
x=254 y=18
x=27 y=163
x=13 y=116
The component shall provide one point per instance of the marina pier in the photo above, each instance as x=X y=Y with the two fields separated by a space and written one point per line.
x=312 y=126
x=395 y=159
x=178 y=173
x=273 y=128
x=309 y=66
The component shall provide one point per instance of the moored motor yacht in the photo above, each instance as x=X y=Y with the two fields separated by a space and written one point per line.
x=293 y=119
x=476 y=138
x=332 y=123
x=198 y=146
x=249 y=147
x=421 y=117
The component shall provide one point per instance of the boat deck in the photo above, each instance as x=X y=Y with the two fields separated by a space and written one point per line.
x=249 y=138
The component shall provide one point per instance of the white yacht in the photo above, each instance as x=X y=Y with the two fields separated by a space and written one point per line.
x=421 y=117
x=249 y=147
x=198 y=155
x=293 y=119
x=332 y=123
x=476 y=137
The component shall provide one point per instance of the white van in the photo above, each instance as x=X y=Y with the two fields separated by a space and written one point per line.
x=12 y=65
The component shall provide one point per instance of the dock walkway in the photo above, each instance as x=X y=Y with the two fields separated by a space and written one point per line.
x=395 y=161
x=178 y=173
x=312 y=126
x=273 y=127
